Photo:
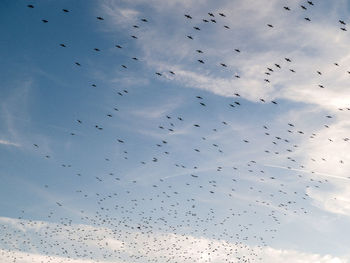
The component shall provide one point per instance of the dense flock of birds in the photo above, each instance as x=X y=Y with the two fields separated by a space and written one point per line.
x=165 y=221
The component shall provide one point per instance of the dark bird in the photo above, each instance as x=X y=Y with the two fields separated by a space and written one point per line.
x=44 y=20
x=310 y=2
x=197 y=28
x=269 y=25
x=286 y=8
x=200 y=61
x=303 y=7
x=77 y=63
x=65 y=10
x=223 y=15
x=118 y=46
x=342 y=22
x=62 y=45
x=211 y=14
x=30 y=6
x=190 y=37
x=144 y=20
x=100 y=18
x=188 y=16
x=307 y=19
x=199 y=51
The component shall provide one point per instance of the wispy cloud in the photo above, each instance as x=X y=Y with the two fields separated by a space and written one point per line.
x=184 y=244
x=5 y=142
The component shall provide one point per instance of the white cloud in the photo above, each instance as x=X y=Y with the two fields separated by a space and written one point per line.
x=149 y=245
x=6 y=142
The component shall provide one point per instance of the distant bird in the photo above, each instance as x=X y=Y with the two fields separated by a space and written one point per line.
x=44 y=20
x=188 y=16
x=65 y=10
x=30 y=6
x=100 y=18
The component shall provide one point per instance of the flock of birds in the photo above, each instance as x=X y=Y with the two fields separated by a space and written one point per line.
x=165 y=220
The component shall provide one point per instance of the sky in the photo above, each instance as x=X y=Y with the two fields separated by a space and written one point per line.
x=174 y=131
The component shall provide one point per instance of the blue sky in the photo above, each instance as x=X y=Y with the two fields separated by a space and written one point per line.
x=107 y=161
